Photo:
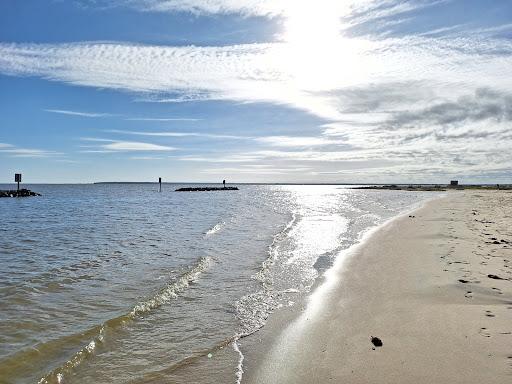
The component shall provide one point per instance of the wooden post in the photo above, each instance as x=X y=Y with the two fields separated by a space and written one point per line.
x=160 y=182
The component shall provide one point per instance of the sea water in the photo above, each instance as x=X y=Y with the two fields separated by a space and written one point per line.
x=118 y=283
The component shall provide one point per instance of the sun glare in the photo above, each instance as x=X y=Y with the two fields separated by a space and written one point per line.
x=315 y=53
x=307 y=23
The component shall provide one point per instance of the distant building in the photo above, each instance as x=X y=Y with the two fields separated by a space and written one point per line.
x=454 y=183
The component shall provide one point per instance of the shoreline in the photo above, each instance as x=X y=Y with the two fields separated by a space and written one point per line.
x=255 y=346
x=421 y=283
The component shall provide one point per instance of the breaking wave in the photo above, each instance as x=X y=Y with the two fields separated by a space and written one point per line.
x=166 y=294
x=216 y=228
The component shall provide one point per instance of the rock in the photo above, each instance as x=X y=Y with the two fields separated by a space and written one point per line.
x=376 y=341
x=495 y=277
x=206 y=189
x=22 y=193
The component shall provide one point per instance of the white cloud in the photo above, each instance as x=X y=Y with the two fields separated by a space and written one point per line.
x=256 y=171
x=274 y=141
x=420 y=99
x=96 y=114
x=297 y=141
x=277 y=73
x=161 y=119
x=245 y=7
x=14 y=151
x=370 y=10
x=360 y=10
x=146 y=158
x=136 y=146
x=76 y=113
x=181 y=134
x=123 y=146
x=230 y=158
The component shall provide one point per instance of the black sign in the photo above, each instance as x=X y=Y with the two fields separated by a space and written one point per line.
x=17 y=177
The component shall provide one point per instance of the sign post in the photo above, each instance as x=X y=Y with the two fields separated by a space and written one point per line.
x=160 y=182
x=17 y=179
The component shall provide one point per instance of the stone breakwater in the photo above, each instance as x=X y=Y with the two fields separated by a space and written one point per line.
x=436 y=188
x=206 y=189
x=20 y=193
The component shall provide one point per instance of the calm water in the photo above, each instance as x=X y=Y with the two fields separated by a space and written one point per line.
x=122 y=284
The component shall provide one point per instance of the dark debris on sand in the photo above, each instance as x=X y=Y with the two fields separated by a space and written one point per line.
x=376 y=341
x=495 y=277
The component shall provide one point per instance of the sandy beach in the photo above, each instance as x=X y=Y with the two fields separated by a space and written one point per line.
x=434 y=286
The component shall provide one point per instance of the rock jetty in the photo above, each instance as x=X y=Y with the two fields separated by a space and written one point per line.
x=206 y=189
x=414 y=187
x=436 y=187
x=20 y=193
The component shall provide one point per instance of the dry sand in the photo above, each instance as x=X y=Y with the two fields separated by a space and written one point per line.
x=427 y=286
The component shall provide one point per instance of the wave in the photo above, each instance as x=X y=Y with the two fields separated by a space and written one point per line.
x=254 y=309
x=245 y=331
x=172 y=289
x=204 y=353
x=240 y=366
x=167 y=293
x=216 y=228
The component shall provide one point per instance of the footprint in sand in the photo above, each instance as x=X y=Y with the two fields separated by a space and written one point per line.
x=484 y=332
x=469 y=295
x=489 y=314
x=497 y=290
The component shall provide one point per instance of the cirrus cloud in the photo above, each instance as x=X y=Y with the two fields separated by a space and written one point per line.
x=122 y=146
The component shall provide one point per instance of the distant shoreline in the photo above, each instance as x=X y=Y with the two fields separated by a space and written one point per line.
x=363 y=185
x=384 y=186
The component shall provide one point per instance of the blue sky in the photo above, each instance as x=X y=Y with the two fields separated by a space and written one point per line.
x=256 y=91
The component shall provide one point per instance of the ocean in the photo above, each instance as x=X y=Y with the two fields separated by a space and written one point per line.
x=118 y=283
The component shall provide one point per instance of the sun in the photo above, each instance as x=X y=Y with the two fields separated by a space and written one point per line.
x=308 y=23
x=315 y=53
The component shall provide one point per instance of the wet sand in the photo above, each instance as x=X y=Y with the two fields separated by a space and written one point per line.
x=434 y=287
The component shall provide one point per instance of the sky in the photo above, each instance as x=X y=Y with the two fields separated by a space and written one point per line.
x=324 y=91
